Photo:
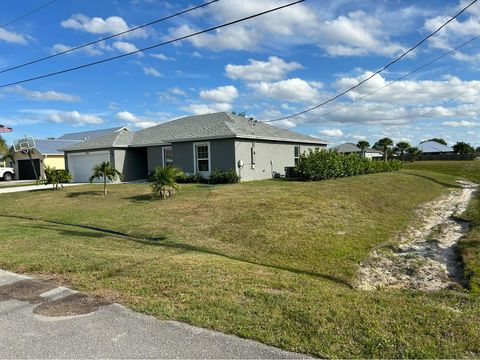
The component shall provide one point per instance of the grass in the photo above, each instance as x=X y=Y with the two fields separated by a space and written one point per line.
x=273 y=261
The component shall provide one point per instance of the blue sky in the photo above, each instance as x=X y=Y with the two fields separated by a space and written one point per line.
x=269 y=67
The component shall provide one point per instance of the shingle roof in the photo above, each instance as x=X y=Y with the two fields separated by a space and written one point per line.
x=216 y=125
x=349 y=147
x=122 y=138
x=86 y=135
x=434 y=147
x=52 y=147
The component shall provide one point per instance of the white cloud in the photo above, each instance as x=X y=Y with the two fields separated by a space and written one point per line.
x=221 y=94
x=161 y=56
x=199 y=109
x=125 y=47
x=75 y=118
x=331 y=132
x=357 y=33
x=95 y=49
x=42 y=96
x=296 y=89
x=177 y=91
x=273 y=69
x=11 y=37
x=98 y=25
x=462 y=123
x=148 y=70
x=135 y=120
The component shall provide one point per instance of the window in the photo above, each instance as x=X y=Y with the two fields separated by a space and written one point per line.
x=202 y=157
x=296 y=154
x=167 y=156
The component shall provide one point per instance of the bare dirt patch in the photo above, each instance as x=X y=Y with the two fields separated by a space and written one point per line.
x=71 y=305
x=25 y=290
x=425 y=255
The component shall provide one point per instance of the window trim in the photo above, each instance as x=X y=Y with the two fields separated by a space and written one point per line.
x=163 y=154
x=296 y=159
x=195 y=159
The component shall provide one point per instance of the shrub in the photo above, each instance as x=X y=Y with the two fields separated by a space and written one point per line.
x=183 y=178
x=56 y=176
x=162 y=181
x=325 y=164
x=223 y=177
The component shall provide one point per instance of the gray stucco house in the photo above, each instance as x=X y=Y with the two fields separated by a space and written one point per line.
x=351 y=148
x=201 y=143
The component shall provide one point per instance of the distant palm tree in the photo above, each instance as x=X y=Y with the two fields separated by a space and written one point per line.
x=414 y=153
x=384 y=145
x=363 y=145
x=105 y=171
x=402 y=147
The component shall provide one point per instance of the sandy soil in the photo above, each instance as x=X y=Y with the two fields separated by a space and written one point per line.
x=424 y=257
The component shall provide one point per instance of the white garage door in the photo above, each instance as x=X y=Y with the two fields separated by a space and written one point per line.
x=80 y=164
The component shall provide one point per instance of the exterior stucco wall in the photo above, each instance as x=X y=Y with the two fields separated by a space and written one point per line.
x=222 y=155
x=132 y=163
x=56 y=161
x=154 y=157
x=269 y=157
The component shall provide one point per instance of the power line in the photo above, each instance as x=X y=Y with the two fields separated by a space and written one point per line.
x=378 y=71
x=396 y=80
x=152 y=46
x=27 y=14
x=107 y=37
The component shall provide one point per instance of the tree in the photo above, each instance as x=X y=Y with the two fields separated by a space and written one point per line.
x=105 y=171
x=162 y=180
x=363 y=145
x=8 y=155
x=56 y=176
x=438 y=140
x=477 y=151
x=384 y=145
x=3 y=147
x=463 y=148
x=414 y=153
x=402 y=147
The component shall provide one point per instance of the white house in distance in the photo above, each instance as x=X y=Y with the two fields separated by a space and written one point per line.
x=434 y=148
x=351 y=148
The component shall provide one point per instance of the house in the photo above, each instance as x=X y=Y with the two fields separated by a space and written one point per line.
x=196 y=144
x=351 y=148
x=434 y=148
x=48 y=152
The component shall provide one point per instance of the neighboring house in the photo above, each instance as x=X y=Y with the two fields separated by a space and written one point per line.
x=197 y=144
x=351 y=148
x=434 y=148
x=48 y=152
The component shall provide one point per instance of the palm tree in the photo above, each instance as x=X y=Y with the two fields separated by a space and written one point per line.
x=414 y=152
x=384 y=145
x=363 y=145
x=105 y=171
x=403 y=146
x=162 y=179
x=3 y=146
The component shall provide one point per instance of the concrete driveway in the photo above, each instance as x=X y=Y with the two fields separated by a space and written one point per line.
x=6 y=190
x=41 y=320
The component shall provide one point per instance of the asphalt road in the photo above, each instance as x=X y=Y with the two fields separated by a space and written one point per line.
x=41 y=320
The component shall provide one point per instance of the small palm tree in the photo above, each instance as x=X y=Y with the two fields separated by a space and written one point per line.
x=402 y=147
x=162 y=180
x=363 y=145
x=414 y=153
x=105 y=171
x=384 y=145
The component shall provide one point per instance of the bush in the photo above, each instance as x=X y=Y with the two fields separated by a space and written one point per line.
x=162 y=181
x=223 y=177
x=196 y=178
x=56 y=176
x=326 y=164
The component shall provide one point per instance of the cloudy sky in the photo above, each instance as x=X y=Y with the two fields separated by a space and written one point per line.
x=269 y=67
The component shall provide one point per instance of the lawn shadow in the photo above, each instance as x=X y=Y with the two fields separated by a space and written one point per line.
x=84 y=193
x=141 y=198
x=444 y=184
x=161 y=241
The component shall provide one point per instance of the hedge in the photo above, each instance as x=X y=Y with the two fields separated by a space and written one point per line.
x=326 y=164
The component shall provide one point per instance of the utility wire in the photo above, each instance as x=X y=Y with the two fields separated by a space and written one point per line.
x=378 y=71
x=396 y=80
x=27 y=14
x=107 y=37
x=152 y=46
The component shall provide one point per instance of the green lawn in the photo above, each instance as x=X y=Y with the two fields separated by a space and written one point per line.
x=273 y=261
